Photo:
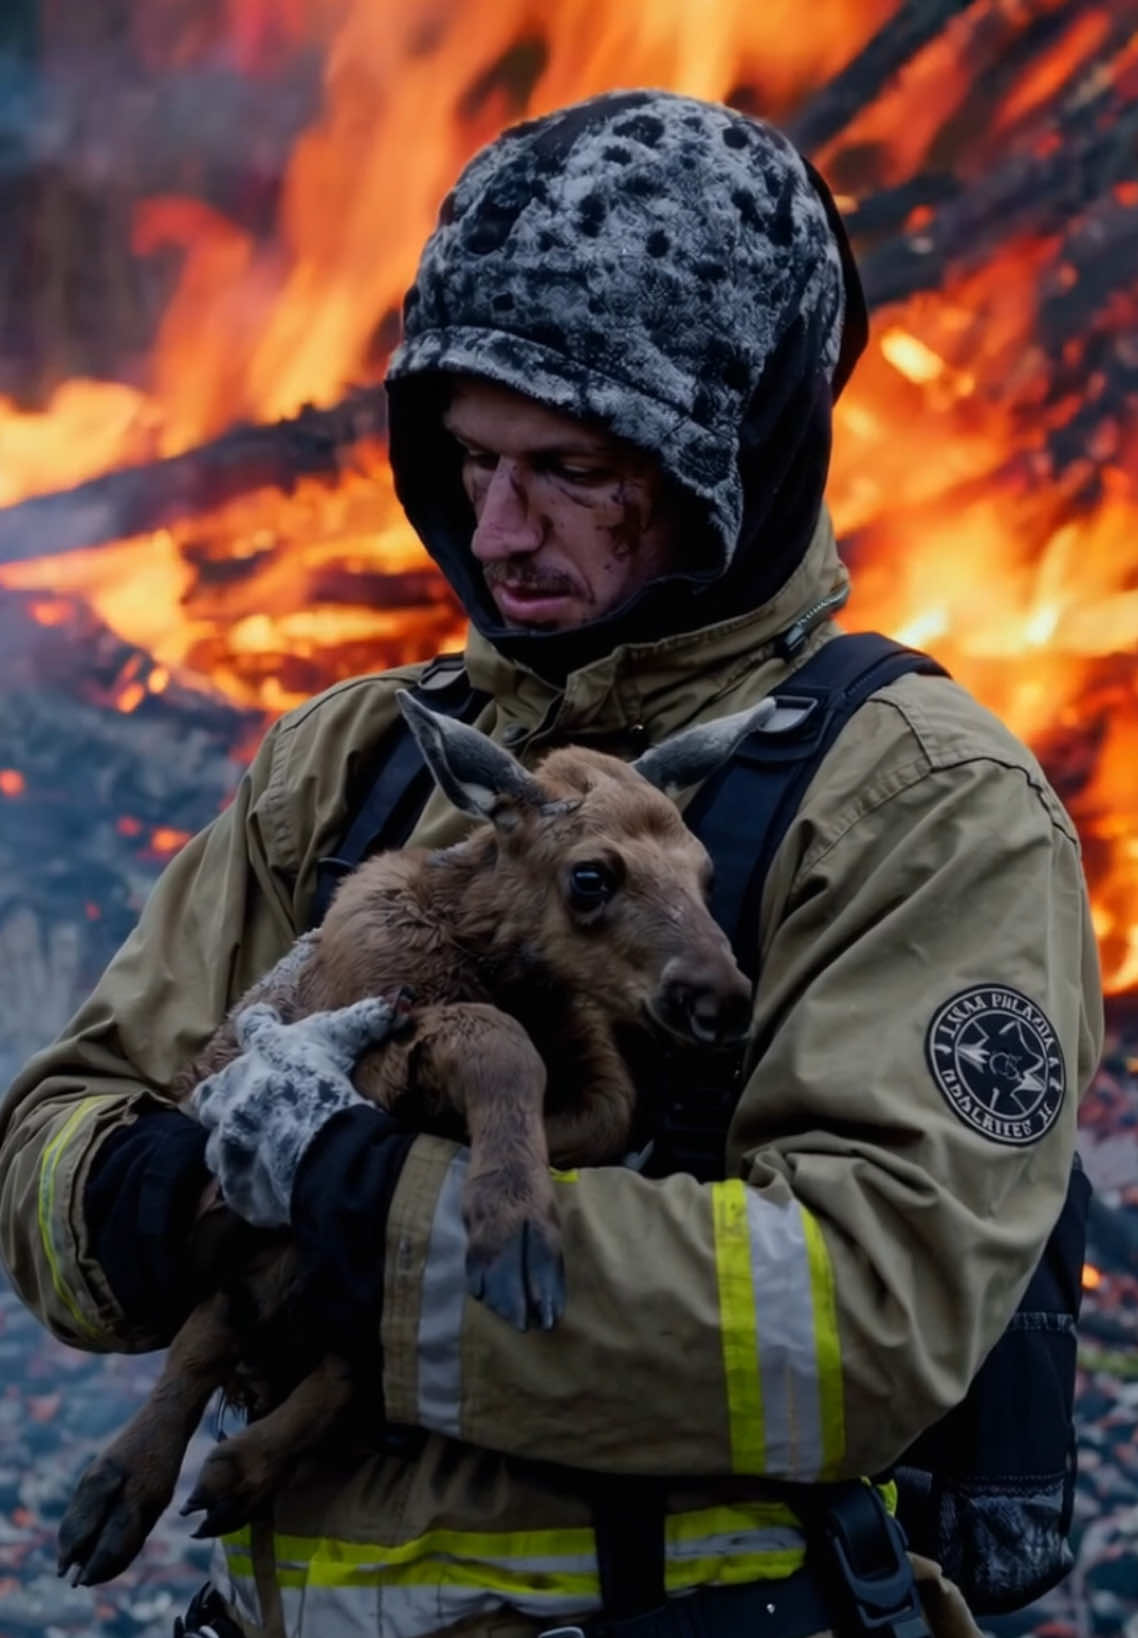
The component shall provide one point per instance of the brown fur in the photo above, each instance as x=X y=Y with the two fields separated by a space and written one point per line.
x=520 y=1006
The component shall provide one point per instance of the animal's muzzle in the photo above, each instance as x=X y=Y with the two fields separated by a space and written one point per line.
x=708 y=1002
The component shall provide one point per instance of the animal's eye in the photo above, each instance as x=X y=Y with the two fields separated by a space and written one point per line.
x=590 y=886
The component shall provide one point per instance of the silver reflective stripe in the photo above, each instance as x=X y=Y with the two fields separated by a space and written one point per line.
x=219 y=1571
x=387 y=1611
x=239 y=1590
x=332 y=1612
x=788 y=1350
x=732 y=1544
x=442 y=1301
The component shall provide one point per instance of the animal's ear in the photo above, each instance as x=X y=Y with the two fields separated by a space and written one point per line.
x=688 y=758
x=478 y=776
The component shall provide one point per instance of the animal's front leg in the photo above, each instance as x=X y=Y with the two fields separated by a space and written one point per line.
x=482 y=1062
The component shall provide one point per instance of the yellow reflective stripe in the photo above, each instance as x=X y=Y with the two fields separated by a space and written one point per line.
x=534 y=1569
x=693 y=1526
x=565 y=1174
x=729 y=1571
x=327 y=1571
x=827 y=1342
x=463 y=1544
x=510 y=1556
x=237 y=1544
x=737 y=1326
x=45 y=1212
x=721 y=1521
x=440 y=1558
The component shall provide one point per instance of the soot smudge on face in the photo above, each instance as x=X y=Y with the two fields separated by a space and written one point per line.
x=627 y=533
x=638 y=501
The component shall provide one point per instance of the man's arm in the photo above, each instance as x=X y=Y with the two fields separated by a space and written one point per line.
x=220 y=915
x=814 y=1313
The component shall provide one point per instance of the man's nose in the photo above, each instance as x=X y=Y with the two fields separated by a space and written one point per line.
x=506 y=521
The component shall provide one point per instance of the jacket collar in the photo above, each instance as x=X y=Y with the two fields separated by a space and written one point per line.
x=653 y=688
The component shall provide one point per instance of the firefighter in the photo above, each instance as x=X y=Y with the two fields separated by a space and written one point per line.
x=610 y=425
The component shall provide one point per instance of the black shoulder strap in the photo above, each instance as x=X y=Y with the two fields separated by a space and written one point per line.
x=742 y=813
x=400 y=788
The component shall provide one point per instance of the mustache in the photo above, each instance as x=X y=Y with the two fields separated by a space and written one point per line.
x=525 y=577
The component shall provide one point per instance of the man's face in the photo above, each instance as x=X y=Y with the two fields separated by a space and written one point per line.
x=570 y=520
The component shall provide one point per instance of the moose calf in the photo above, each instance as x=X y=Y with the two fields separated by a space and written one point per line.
x=524 y=961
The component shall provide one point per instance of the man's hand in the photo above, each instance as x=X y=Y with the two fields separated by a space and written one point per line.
x=264 y=1109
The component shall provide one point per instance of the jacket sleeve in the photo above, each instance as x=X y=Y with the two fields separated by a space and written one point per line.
x=219 y=916
x=812 y=1314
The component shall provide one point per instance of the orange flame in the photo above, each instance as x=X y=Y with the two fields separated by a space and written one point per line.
x=962 y=537
x=86 y=427
x=1091 y=1277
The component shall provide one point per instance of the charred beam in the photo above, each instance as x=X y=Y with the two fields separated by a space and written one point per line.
x=1029 y=194
x=887 y=211
x=136 y=499
x=861 y=81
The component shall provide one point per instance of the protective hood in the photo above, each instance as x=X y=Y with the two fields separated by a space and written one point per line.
x=673 y=270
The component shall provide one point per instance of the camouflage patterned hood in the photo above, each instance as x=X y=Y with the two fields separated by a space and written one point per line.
x=672 y=269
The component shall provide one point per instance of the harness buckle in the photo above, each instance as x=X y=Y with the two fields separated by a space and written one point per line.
x=791 y=713
x=869 y=1548
x=206 y=1617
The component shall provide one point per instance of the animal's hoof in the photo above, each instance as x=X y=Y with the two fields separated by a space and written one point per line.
x=106 y=1522
x=523 y=1282
x=219 y=1518
x=228 y=1491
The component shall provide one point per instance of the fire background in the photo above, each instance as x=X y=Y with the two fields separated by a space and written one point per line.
x=210 y=210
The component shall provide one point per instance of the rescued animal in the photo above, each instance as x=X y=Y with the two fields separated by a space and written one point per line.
x=520 y=965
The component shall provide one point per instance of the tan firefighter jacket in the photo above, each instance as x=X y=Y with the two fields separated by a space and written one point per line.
x=806 y=1317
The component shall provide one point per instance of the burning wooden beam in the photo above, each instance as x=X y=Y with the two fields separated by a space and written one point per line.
x=896 y=42
x=1034 y=194
x=136 y=499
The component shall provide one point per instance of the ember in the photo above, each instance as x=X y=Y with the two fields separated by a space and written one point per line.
x=166 y=840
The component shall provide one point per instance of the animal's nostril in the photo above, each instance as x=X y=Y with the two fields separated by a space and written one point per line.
x=706 y=1009
x=707 y=1013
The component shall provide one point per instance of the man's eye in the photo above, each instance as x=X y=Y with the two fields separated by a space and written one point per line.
x=586 y=475
x=480 y=460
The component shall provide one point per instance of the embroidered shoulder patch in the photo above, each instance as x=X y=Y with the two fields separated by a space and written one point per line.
x=997 y=1060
